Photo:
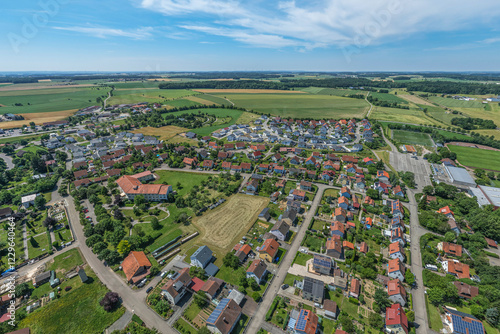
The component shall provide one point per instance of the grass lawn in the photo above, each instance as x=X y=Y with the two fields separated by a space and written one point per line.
x=39 y=247
x=187 y=180
x=313 y=242
x=409 y=137
x=290 y=278
x=66 y=261
x=81 y=305
x=63 y=235
x=327 y=325
x=136 y=95
x=302 y=258
x=412 y=115
x=476 y=157
x=388 y=97
x=452 y=135
x=435 y=322
x=227 y=117
x=452 y=103
x=186 y=327
x=34 y=149
x=172 y=234
x=300 y=105
x=192 y=311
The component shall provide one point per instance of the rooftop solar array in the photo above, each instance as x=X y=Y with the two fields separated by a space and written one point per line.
x=464 y=327
x=301 y=321
x=321 y=261
x=218 y=310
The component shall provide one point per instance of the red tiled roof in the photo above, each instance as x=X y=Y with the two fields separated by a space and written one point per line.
x=132 y=263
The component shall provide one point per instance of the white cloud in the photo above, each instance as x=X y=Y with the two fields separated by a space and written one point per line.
x=104 y=32
x=316 y=23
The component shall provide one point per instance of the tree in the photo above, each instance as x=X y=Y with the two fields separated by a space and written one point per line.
x=123 y=247
x=139 y=199
x=376 y=321
x=382 y=298
x=254 y=285
x=428 y=190
x=110 y=301
x=230 y=260
x=411 y=316
x=256 y=296
x=40 y=202
x=347 y=324
x=449 y=236
x=492 y=316
x=155 y=224
x=153 y=271
x=99 y=247
x=204 y=330
x=22 y=289
x=436 y=295
x=200 y=299
x=410 y=277
x=49 y=222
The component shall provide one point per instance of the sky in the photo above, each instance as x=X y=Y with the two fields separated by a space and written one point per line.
x=251 y=35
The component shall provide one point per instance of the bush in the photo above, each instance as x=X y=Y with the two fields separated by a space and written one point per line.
x=110 y=301
x=353 y=300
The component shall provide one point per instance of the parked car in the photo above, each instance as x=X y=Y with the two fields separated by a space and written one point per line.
x=285 y=286
x=149 y=289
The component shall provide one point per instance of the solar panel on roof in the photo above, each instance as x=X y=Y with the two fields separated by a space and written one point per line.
x=322 y=262
x=218 y=310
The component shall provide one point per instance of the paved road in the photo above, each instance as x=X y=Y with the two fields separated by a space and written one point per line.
x=259 y=320
x=8 y=160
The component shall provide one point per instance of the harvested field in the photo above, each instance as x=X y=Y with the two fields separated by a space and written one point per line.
x=39 y=118
x=201 y=100
x=415 y=99
x=163 y=133
x=224 y=226
x=250 y=91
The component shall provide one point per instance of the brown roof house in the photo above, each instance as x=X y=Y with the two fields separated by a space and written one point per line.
x=136 y=267
x=177 y=287
x=212 y=287
x=465 y=290
x=257 y=270
x=355 y=288
x=224 y=317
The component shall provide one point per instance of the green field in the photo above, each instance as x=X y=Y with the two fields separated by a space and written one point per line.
x=411 y=116
x=300 y=105
x=388 y=97
x=215 y=99
x=414 y=138
x=477 y=158
x=187 y=180
x=78 y=311
x=452 y=103
x=182 y=103
x=440 y=114
x=451 y=135
x=331 y=91
x=136 y=95
x=47 y=100
x=221 y=113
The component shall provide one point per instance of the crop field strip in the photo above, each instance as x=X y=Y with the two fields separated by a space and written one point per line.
x=476 y=157
x=412 y=138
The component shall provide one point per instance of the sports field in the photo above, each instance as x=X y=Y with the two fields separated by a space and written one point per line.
x=410 y=137
x=223 y=227
x=148 y=94
x=476 y=157
x=452 y=103
x=49 y=100
x=301 y=105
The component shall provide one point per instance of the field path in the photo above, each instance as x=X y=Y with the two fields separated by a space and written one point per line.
x=371 y=105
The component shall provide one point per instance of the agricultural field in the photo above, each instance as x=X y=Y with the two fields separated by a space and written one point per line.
x=411 y=116
x=331 y=91
x=215 y=99
x=225 y=117
x=247 y=91
x=388 y=97
x=301 y=105
x=452 y=103
x=440 y=114
x=415 y=99
x=221 y=228
x=136 y=95
x=201 y=100
x=49 y=100
x=410 y=137
x=163 y=133
x=491 y=132
x=476 y=157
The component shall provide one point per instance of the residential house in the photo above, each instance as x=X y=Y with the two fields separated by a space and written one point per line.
x=269 y=250
x=331 y=309
x=212 y=287
x=345 y=191
x=395 y=319
x=397 y=191
x=334 y=248
x=396 y=251
x=451 y=249
x=397 y=208
x=224 y=317
x=466 y=291
x=462 y=323
x=290 y=216
x=304 y=185
x=307 y=323
x=242 y=251
x=177 y=287
x=136 y=266
x=337 y=228
x=280 y=230
x=455 y=268
x=396 y=292
x=322 y=264
x=343 y=202
x=369 y=201
x=202 y=257
x=396 y=269
x=398 y=236
x=340 y=215
x=383 y=176
x=264 y=214
x=363 y=247
x=355 y=288
x=253 y=186
x=299 y=195
x=313 y=289
x=257 y=270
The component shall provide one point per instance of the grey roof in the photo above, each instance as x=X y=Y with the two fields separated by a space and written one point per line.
x=202 y=254
x=460 y=175
x=314 y=287
x=282 y=227
x=492 y=194
x=211 y=269
x=481 y=198
x=290 y=214
x=236 y=296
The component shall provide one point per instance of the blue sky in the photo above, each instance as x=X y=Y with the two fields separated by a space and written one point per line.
x=206 y=35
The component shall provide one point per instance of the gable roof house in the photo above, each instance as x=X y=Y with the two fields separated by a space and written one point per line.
x=212 y=286
x=466 y=291
x=396 y=292
x=224 y=317
x=307 y=323
x=355 y=288
x=331 y=309
x=396 y=251
x=396 y=269
x=460 y=270
x=177 y=287
x=313 y=289
x=131 y=187
x=395 y=319
x=202 y=257
x=280 y=230
x=136 y=267
x=257 y=270
x=268 y=250
x=333 y=247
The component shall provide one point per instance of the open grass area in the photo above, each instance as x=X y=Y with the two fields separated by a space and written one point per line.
x=215 y=99
x=440 y=114
x=452 y=135
x=331 y=91
x=187 y=180
x=476 y=157
x=388 y=97
x=162 y=133
x=492 y=132
x=147 y=94
x=181 y=103
x=409 y=137
x=412 y=115
x=301 y=105
x=301 y=258
x=452 y=103
x=433 y=316
x=49 y=100
x=80 y=305
x=66 y=261
x=221 y=228
x=39 y=246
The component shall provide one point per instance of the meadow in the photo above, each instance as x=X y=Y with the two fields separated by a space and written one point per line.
x=412 y=115
x=388 y=97
x=136 y=95
x=452 y=103
x=219 y=113
x=49 y=100
x=476 y=157
x=301 y=105
x=331 y=91
x=413 y=138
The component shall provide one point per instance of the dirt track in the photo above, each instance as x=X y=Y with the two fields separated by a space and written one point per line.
x=472 y=145
x=250 y=91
